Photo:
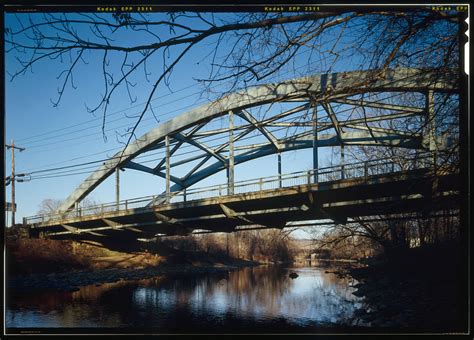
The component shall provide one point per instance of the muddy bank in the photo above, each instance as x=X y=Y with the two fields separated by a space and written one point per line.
x=418 y=290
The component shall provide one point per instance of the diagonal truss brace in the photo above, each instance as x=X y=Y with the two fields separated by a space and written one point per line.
x=327 y=107
x=234 y=215
x=207 y=157
x=143 y=168
x=79 y=231
x=179 y=143
x=251 y=119
x=201 y=146
x=120 y=227
x=166 y=219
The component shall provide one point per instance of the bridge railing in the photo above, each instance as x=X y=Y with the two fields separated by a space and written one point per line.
x=321 y=175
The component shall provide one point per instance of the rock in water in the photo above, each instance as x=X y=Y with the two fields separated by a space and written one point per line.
x=293 y=275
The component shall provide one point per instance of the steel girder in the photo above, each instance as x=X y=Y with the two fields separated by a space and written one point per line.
x=314 y=90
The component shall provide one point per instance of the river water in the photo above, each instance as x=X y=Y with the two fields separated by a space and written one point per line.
x=257 y=299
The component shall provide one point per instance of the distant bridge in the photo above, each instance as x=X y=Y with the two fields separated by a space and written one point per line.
x=340 y=109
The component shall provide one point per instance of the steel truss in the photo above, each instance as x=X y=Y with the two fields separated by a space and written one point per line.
x=309 y=112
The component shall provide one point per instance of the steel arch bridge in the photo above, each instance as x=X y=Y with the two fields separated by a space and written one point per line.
x=305 y=94
x=364 y=108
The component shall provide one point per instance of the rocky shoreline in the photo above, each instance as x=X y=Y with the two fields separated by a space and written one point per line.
x=422 y=295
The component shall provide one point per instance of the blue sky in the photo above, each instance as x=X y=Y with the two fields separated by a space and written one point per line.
x=68 y=134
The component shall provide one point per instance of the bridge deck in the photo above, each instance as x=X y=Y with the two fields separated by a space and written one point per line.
x=400 y=192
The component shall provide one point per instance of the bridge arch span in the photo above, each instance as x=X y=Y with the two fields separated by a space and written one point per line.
x=299 y=97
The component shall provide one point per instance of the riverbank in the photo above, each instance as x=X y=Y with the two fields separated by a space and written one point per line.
x=67 y=266
x=419 y=290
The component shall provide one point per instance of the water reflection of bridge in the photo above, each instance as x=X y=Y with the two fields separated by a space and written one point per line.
x=360 y=108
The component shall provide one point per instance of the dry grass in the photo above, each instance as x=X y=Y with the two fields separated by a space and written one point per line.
x=27 y=256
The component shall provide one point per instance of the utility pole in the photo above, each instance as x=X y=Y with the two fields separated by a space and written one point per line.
x=13 y=147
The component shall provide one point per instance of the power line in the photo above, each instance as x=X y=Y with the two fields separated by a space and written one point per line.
x=141 y=156
x=138 y=105
x=110 y=129
x=100 y=118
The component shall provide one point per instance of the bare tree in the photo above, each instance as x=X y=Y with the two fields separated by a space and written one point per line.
x=246 y=48
x=48 y=206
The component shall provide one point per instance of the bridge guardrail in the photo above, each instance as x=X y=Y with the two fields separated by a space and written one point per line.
x=321 y=175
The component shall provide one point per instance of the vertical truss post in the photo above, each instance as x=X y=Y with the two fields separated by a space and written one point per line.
x=431 y=124
x=315 y=141
x=13 y=183
x=342 y=161
x=117 y=188
x=230 y=168
x=167 y=146
x=279 y=170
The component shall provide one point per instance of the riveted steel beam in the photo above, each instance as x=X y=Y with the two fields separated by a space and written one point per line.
x=379 y=105
x=304 y=141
